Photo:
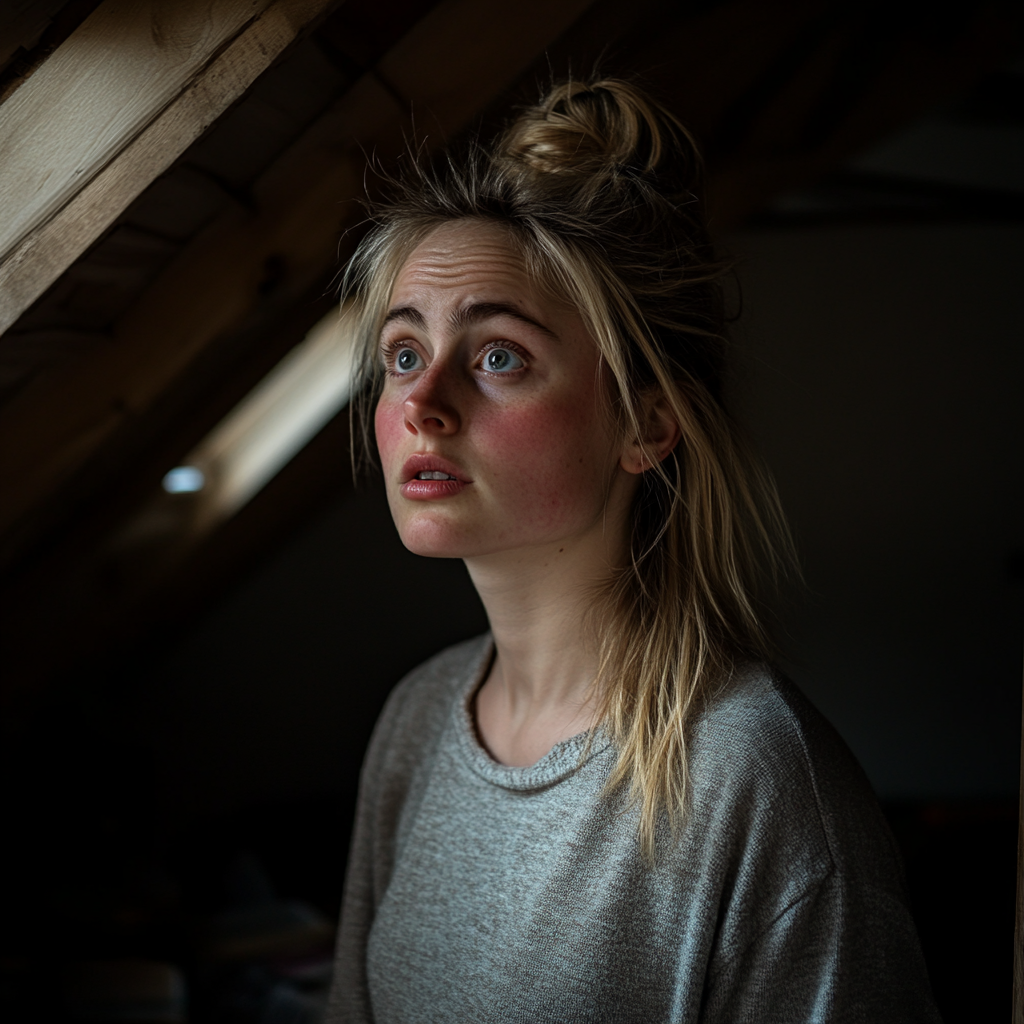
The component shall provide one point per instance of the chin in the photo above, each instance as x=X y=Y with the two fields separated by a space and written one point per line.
x=435 y=540
x=434 y=550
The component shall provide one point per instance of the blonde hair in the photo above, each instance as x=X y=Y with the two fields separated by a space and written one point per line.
x=600 y=190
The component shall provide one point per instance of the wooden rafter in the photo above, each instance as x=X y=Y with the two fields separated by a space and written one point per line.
x=121 y=100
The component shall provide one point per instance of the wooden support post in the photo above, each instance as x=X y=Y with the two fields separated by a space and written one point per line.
x=1018 y=938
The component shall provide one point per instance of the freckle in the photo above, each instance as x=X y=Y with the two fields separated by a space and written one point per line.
x=560 y=550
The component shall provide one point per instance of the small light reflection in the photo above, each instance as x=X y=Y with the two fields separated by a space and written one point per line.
x=253 y=442
x=184 y=480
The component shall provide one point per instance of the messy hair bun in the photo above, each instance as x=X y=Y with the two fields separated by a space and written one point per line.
x=582 y=129
x=599 y=189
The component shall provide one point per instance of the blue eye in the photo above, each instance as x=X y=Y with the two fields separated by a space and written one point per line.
x=501 y=360
x=406 y=360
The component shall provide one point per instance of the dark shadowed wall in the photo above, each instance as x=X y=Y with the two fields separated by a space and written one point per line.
x=882 y=372
x=273 y=694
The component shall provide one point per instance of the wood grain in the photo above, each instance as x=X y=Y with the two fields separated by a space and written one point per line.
x=107 y=81
x=49 y=250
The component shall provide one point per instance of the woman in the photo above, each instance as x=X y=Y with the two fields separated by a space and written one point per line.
x=609 y=808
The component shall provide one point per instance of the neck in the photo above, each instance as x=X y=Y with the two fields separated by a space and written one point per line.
x=540 y=689
x=536 y=605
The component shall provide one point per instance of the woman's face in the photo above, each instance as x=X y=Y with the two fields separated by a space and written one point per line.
x=494 y=426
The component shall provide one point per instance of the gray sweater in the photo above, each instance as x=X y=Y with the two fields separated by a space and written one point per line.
x=482 y=893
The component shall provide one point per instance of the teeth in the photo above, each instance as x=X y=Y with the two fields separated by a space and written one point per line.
x=433 y=474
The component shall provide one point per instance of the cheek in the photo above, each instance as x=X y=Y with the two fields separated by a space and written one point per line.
x=389 y=428
x=549 y=461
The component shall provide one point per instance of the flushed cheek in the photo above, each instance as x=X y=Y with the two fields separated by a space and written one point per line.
x=390 y=430
x=545 y=464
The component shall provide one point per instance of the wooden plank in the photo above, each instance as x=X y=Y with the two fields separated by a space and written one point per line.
x=303 y=203
x=1018 y=937
x=49 y=250
x=107 y=81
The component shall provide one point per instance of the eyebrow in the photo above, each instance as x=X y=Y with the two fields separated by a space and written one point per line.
x=410 y=314
x=474 y=313
x=477 y=312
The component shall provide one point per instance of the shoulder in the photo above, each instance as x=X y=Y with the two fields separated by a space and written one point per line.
x=761 y=747
x=768 y=727
x=760 y=727
x=809 y=874
x=416 y=711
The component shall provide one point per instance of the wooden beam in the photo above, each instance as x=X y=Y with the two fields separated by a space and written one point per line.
x=302 y=204
x=1018 y=943
x=485 y=48
x=121 y=67
x=120 y=101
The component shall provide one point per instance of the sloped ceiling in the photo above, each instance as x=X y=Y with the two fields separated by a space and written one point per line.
x=203 y=279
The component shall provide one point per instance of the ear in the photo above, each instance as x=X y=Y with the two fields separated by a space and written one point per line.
x=662 y=435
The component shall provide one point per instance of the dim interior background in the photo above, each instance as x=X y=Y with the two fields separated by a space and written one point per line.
x=181 y=795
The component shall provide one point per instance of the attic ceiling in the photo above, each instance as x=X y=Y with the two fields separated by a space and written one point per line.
x=164 y=299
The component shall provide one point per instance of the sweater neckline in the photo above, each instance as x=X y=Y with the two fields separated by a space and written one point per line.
x=565 y=758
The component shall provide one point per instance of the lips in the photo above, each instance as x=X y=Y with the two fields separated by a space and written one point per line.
x=428 y=477
x=418 y=466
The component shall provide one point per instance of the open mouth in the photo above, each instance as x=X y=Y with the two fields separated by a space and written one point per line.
x=429 y=474
x=431 y=484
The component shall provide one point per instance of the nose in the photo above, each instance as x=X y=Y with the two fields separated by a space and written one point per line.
x=430 y=407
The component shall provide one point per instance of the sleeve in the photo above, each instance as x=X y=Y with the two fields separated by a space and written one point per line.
x=349 y=1001
x=408 y=729
x=838 y=954
x=368 y=868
